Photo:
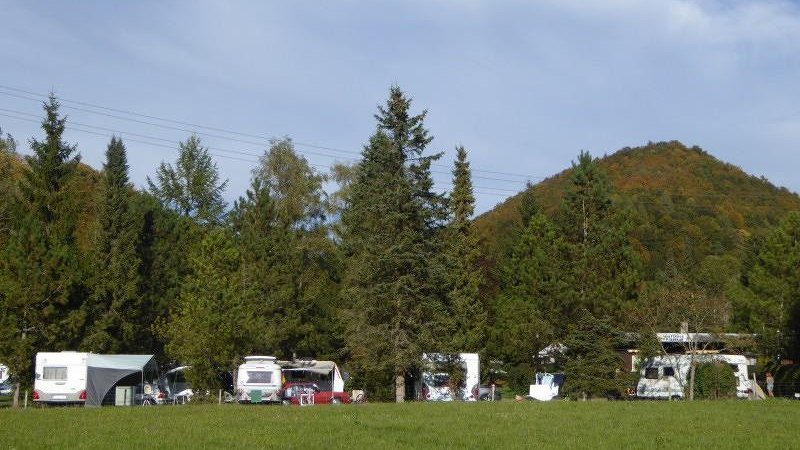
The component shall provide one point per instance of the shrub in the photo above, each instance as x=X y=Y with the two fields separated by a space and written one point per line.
x=714 y=381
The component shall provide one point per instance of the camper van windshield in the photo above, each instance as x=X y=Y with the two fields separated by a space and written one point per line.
x=259 y=377
x=54 y=373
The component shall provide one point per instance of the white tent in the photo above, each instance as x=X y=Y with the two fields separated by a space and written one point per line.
x=104 y=371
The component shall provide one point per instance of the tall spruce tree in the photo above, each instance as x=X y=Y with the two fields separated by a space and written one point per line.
x=605 y=267
x=467 y=308
x=192 y=188
x=114 y=309
x=40 y=279
x=534 y=295
x=393 y=245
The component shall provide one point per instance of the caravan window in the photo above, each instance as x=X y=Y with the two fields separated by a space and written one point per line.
x=651 y=373
x=54 y=373
x=669 y=372
x=259 y=377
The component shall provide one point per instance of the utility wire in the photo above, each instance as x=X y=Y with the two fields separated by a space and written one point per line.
x=250 y=160
x=267 y=139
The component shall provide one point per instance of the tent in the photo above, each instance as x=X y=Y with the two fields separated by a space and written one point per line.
x=105 y=371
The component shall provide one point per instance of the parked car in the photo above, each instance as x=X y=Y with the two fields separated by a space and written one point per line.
x=485 y=393
x=293 y=391
x=6 y=389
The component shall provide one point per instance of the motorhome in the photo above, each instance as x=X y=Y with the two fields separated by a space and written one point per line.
x=259 y=380
x=667 y=376
x=435 y=382
x=89 y=378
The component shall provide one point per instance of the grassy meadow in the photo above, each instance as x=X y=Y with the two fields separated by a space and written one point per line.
x=505 y=424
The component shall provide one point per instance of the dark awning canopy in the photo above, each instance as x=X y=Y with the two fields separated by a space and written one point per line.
x=104 y=371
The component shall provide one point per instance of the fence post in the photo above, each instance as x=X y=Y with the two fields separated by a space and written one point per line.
x=25 y=402
x=220 y=396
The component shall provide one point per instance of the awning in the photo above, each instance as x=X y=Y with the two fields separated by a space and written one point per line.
x=104 y=371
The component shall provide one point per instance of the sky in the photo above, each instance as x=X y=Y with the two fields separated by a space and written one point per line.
x=524 y=86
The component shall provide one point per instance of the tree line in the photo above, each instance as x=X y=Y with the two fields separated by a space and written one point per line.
x=373 y=275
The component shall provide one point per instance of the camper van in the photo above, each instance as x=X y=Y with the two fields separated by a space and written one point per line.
x=435 y=383
x=667 y=376
x=259 y=380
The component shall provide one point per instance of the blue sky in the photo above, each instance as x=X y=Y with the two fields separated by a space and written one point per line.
x=523 y=85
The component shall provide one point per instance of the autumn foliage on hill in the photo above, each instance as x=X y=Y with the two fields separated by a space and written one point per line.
x=686 y=205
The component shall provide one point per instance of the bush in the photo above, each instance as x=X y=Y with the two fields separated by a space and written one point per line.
x=714 y=381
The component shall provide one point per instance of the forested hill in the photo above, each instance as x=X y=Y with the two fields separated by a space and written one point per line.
x=685 y=205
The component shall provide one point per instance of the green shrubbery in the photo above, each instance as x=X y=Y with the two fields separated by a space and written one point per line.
x=714 y=381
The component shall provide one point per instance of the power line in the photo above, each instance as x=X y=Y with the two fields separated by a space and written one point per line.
x=337 y=157
x=250 y=160
x=267 y=139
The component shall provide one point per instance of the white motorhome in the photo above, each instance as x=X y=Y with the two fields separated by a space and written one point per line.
x=435 y=384
x=259 y=380
x=667 y=376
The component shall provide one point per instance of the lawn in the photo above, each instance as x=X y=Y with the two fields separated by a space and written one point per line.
x=506 y=424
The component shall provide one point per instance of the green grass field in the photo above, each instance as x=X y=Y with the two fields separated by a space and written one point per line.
x=506 y=424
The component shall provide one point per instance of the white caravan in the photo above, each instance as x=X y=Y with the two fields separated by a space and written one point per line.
x=435 y=384
x=259 y=380
x=88 y=378
x=60 y=377
x=546 y=386
x=667 y=376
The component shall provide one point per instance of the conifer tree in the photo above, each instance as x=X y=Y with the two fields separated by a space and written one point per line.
x=40 y=278
x=393 y=245
x=9 y=192
x=115 y=307
x=192 y=188
x=605 y=267
x=534 y=295
x=467 y=309
x=593 y=366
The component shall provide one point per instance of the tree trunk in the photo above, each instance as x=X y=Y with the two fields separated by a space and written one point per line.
x=691 y=381
x=15 y=402
x=400 y=388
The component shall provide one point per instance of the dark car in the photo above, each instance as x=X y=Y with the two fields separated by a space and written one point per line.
x=485 y=393
x=309 y=393
x=6 y=389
